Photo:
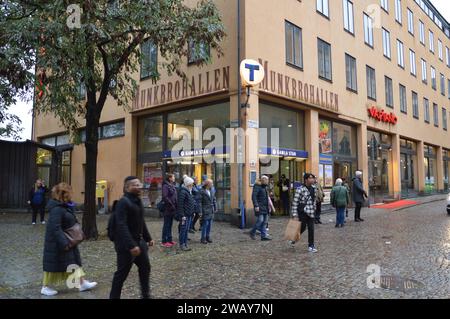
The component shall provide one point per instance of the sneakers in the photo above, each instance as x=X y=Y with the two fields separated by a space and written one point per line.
x=46 y=291
x=312 y=249
x=209 y=240
x=173 y=243
x=203 y=241
x=185 y=248
x=167 y=245
x=252 y=236
x=43 y=222
x=33 y=223
x=291 y=243
x=87 y=285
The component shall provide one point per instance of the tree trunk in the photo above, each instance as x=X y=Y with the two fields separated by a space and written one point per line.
x=90 y=200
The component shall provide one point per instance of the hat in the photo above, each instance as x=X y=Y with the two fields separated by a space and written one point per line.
x=188 y=181
x=358 y=173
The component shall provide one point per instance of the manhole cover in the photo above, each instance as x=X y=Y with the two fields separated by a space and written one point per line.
x=399 y=284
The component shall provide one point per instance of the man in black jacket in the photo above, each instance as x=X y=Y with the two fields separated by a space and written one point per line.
x=131 y=239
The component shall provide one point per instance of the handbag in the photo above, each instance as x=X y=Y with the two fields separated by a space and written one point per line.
x=74 y=234
x=292 y=231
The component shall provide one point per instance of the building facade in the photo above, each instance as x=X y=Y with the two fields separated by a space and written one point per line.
x=349 y=84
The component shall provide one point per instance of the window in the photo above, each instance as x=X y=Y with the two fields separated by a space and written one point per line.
x=112 y=130
x=322 y=7
x=442 y=84
x=371 y=83
x=424 y=71
x=389 y=91
x=294 y=46
x=431 y=41
x=385 y=5
x=324 y=54
x=198 y=51
x=65 y=167
x=448 y=88
x=422 y=32
x=349 y=24
x=444 y=119
x=410 y=22
x=447 y=55
x=426 y=110
x=440 y=50
x=403 y=102
x=51 y=141
x=350 y=70
x=81 y=90
x=368 y=30
x=415 y=103
x=386 y=43
x=412 y=62
x=436 y=114
x=433 y=78
x=150 y=134
x=62 y=140
x=400 y=54
x=149 y=59
x=398 y=11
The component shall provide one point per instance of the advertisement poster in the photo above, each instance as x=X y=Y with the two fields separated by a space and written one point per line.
x=321 y=175
x=325 y=143
x=328 y=176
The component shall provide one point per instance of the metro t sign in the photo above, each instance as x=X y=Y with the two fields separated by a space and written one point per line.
x=382 y=116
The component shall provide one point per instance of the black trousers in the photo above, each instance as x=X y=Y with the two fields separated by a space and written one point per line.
x=307 y=222
x=196 y=217
x=358 y=210
x=318 y=210
x=124 y=263
x=38 y=209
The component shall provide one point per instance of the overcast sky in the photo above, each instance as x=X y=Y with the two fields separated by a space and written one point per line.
x=23 y=110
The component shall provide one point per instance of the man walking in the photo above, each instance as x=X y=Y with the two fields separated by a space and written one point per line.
x=260 y=199
x=358 y=195
x=131 y=239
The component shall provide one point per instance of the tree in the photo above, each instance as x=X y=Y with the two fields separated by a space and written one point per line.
x=96 y=44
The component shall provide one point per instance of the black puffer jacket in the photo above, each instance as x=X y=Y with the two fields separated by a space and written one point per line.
x=260 y=198
x=56 y=258
x=186 y=203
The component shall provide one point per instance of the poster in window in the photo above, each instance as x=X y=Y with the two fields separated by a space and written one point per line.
x=328 y=175
x=321 y=175
x=325 y=143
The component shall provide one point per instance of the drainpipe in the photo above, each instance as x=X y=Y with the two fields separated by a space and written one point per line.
x=240 y=201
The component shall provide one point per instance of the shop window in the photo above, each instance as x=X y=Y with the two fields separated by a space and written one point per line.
x=150 y=135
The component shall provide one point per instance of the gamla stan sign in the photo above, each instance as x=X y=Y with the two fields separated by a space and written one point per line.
x=195 y=86
x=280 y=84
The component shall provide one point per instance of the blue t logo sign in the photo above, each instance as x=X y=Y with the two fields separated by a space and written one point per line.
x=252 y=69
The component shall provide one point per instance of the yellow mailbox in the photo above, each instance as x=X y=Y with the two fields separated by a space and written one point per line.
x=101 y=188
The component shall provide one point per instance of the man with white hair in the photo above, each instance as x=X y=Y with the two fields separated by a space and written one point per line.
x=185 y=211
x=358 y=195
x=260 y=199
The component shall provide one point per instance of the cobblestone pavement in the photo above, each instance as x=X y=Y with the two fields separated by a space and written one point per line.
x=412 y=243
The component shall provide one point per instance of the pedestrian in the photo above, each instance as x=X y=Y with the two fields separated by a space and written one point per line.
x=185 y=211
x=207 y=210
x=197 y=197
x=271 y=211
x=339 y=200
x=36 y=199
x=260 y=199
x=346 y=185
x=61 y=258
x=304 y=207
x=285 y=187
x=358 y=195
x=169 y=197
x=131 y=239
x=319 y=200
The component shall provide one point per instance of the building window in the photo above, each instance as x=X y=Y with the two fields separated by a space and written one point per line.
x=65 y=167
x=431 y=41
x=403 y=102
x=385 y=5
x=149 y=59
x=323 y=8
x=294 y=46
x=150 y=135
x=324 y=54
x=433 y=78
x=422 y=32
x=56 y=140
x=400 y=54
x=426 y=110
x=368 y=30
x=350 y=70
x=198 y=52
x=424 y=71
x=389 y=92
x=410 y=22
x=371 y=83
x=415 y=103
x=447 y=55
x=436 y=114
x=444 y=119
x=112 y=130
x=440 y=50
x=442 y=84
x=398 y=11
x=448 y=89
x=412 y=61
x=386 y=43
x=349 y=24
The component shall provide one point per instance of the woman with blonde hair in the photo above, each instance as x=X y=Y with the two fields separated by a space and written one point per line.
x=61 y=257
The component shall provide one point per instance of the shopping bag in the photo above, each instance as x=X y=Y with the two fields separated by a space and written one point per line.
x=292 y=232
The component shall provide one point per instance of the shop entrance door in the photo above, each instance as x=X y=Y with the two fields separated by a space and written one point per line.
x=342 y=170
x=407 y=169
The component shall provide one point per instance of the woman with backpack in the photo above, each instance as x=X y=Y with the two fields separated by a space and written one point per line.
x=169 y=198
x=36 y=199
x=339 y=200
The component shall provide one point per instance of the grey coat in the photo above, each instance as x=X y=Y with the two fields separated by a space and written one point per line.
x=208 y=203
x=358 y=191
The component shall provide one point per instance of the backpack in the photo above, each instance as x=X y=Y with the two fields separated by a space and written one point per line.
x=161 y=206
x=112 y=220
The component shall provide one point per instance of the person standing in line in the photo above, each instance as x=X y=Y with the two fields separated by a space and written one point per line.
x=346 y=185
x=185 y=211
x=169 y=196
x=339 y=200
x=359 y=194
x=207 y=210
x=131 y=239
x=260 y=199
x=197 y=197
x=285 y=189
x=319 y=200
x=36 y=199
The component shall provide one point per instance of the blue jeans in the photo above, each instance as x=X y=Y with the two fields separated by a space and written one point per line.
x=260 y=224
x=206 y=228
x=167 y=229
x=184 y=228
x=340 y=215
